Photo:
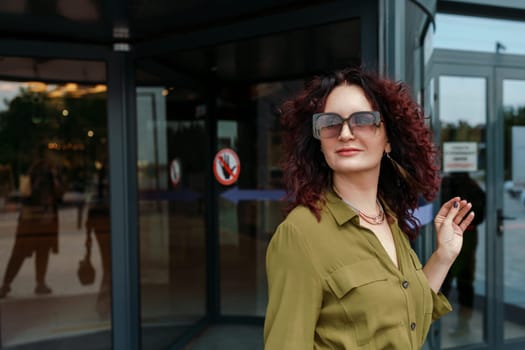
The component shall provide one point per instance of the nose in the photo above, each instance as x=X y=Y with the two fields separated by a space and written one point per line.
x=346 y=132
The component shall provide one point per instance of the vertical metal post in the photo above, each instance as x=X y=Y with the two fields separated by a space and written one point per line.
x=369 y=33
x=391 y=35
x=123 y=187
x=213 y=285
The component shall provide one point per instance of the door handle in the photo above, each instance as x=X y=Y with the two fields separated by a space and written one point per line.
x=500 y=220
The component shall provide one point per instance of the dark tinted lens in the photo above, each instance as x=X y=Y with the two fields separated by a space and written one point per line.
x=329 y=125
x=362 y=119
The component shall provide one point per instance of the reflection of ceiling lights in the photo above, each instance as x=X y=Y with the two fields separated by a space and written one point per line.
x=70 y=89
x=66 y=146
x=55 y=94
x=36 y=86
x=10 y=90
x=98 y=88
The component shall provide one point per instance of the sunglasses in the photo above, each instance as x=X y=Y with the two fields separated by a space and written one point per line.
x=329 y=125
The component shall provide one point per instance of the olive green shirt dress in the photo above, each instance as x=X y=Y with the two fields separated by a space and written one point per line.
x=332 y=285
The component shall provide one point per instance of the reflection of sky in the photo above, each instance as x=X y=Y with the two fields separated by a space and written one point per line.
x=513 y=93
x=8 y=91
x=479 y=34
x=462 y=98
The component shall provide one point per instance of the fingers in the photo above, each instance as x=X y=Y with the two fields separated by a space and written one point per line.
x=459 y=213
x=464 y=209
x=445 y=208
x=456 y=211
x=467 y=221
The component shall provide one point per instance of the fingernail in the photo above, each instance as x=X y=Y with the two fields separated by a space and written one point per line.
x=456 y=204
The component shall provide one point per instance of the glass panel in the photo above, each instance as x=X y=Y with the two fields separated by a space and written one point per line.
x=53 y=202
x=172 y=166
x=247 y=113
x=479 y=34
x=249 y=210
x=244 y=87
x=463 y=129
x=514 y=208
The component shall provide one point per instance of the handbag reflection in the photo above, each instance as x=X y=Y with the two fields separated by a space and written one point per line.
x=24 y=186
x=86 y=271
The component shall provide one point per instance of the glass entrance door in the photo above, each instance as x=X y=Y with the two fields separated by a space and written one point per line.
x=479 y=119
x=55 y=255
x=510 y=98
x=211 y=191
x=462 y=137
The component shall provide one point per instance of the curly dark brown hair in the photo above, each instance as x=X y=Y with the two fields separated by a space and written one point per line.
x=306 y=173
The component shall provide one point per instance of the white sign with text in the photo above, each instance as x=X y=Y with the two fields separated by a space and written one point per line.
x=460 y=156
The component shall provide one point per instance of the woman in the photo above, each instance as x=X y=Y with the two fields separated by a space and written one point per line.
x=341 y=272
x=37 y=230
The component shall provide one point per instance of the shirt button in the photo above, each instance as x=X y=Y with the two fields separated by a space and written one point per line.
x=413 y=326
x=405 y=284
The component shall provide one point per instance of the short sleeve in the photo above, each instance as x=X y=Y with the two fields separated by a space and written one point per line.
x=441 y=305
x=294 y=292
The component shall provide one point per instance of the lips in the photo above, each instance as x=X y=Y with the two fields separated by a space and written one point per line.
x=347 y=151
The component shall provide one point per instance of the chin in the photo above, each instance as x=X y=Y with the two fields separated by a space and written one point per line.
x=347 y=168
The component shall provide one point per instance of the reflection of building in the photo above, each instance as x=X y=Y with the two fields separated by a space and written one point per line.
x=144 y=85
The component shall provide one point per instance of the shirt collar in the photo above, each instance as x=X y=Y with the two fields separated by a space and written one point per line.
x=339 y=210
x=343 y=213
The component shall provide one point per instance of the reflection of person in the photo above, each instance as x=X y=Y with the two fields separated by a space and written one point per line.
x=463 y=269
x=341 y=272
x=98 y=222
x=37 y=230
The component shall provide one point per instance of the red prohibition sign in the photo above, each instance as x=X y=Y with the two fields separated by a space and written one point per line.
x=175 y=172
x=226 y=166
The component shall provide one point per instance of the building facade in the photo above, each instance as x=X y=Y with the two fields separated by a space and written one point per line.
x=157 y=122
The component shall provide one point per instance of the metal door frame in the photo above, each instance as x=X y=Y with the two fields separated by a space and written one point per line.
x=500 y=74
x=494 y=68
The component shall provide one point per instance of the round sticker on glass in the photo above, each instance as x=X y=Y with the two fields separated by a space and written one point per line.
x=226 y=166
x=175 y=172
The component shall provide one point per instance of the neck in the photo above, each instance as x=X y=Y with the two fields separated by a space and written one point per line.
x=361 y=193
x=372 y=219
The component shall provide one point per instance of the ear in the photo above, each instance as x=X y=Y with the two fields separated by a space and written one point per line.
x=388 y=148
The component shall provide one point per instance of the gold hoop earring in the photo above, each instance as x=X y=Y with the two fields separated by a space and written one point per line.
x=403 y=173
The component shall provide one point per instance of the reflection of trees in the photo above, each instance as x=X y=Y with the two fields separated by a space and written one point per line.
x=23 y=126
x=87 y=113
x=35 y=118
x=462 y=131
x=513 y=117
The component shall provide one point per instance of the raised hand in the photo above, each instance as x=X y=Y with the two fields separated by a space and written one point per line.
x=450 y=222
